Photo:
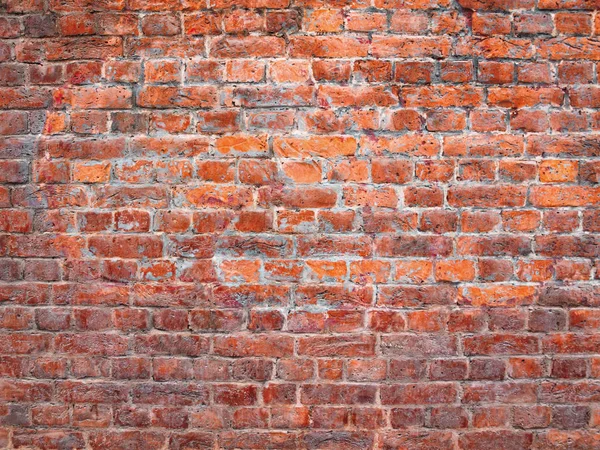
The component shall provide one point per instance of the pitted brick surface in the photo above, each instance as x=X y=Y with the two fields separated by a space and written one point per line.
x=299 y=224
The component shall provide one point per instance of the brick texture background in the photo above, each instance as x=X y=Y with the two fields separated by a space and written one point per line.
x=312 y=224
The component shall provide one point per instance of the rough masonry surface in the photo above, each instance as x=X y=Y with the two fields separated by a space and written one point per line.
x=299 y=224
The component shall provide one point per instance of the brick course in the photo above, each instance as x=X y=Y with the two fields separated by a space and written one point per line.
x=345 y=224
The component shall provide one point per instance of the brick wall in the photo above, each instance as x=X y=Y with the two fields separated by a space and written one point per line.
x=320 y=224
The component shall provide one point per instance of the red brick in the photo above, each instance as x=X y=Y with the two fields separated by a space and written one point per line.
x=254 y=222
x=319 y=394
x=254 y=346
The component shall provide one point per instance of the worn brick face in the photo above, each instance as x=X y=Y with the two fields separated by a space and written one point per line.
x=299 y=224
